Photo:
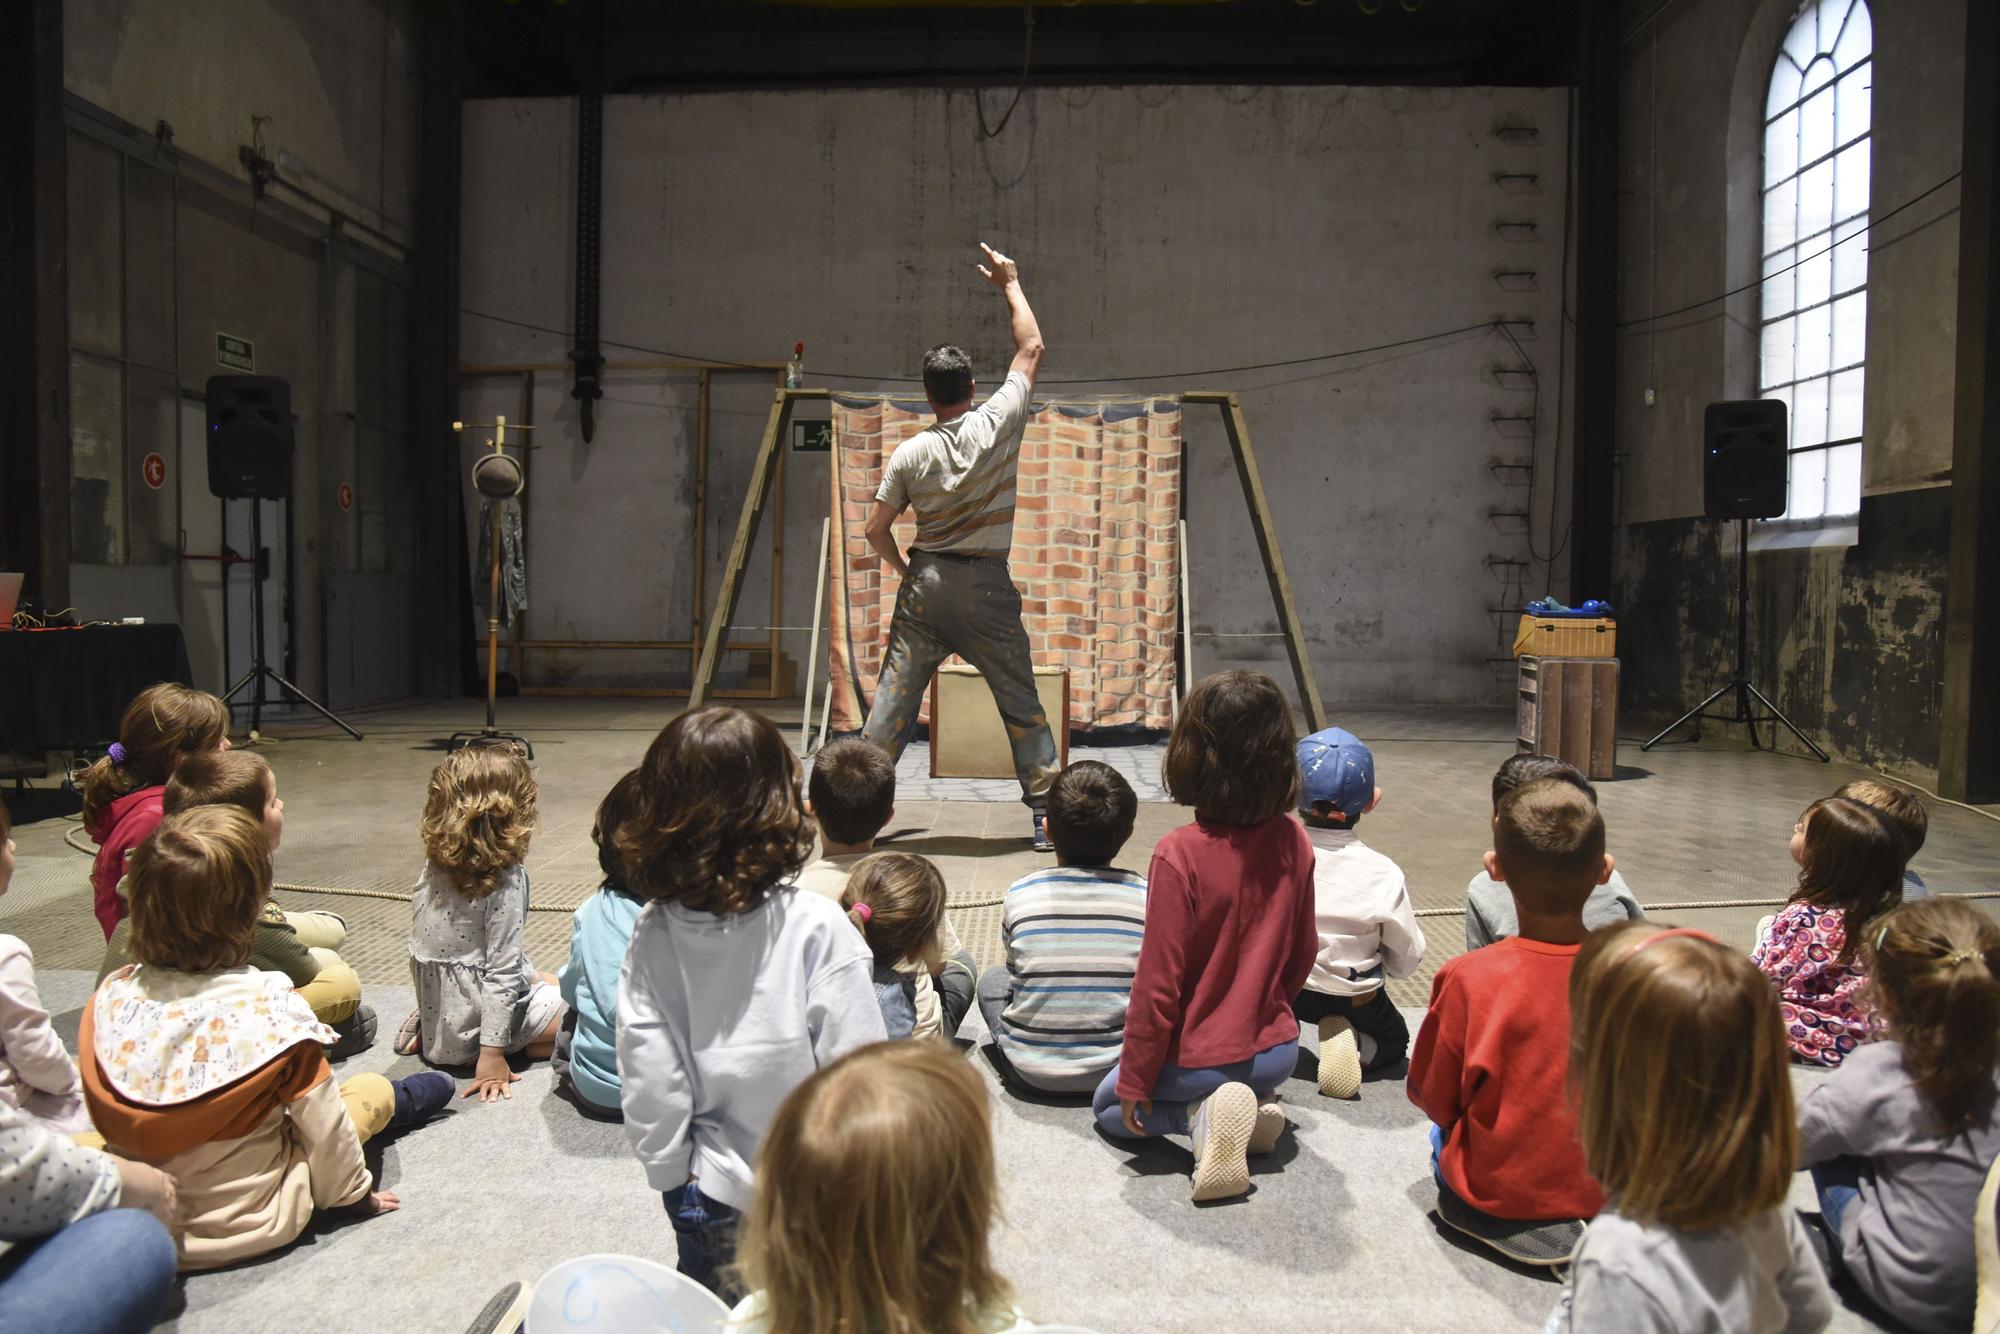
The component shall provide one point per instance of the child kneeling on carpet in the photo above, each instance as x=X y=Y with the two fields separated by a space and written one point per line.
x=1899 y=1139
x=1056 y=1007
x=738 y=984
x=851 y=796
x=478 y=997
x=1685 y=1111
x=1229 y=940
x=875 y=1198
x=586 y=1055
x=216 y=1071
x=896 y=900
x=1850 y=872
x=243 y=779
x=1488 y=1067
x=1367 y=928
x=1489 y=908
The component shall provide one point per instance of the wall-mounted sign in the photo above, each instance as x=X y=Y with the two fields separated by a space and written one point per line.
x=154 y=469
x=812 y=437
x=345 y=495
x=234 y=353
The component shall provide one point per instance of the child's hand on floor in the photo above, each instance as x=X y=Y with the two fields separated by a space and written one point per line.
x=378 y=1202
x=1132 y=1108
x=492 y=1076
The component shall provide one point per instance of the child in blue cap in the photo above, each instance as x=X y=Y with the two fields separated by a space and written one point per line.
x=1367 y=929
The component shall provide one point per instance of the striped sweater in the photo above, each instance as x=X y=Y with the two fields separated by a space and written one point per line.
x=1072 y=936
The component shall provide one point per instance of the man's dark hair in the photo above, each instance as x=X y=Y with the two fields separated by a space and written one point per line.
x=853 y=789
x=1091 y=809
x=947 y=375
x=1521 y=770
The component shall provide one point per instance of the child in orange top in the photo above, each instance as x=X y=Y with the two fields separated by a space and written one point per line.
x=1488 y=1067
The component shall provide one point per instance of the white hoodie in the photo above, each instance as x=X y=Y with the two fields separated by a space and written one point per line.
x=720 y=1017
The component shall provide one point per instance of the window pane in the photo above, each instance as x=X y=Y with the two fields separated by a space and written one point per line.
x=1851 y=95
x=1843 y=479
x=1816 y=125
x=1781 y=206
x=1813 y=345
x=1809 y=413
x=96 y=319
x=1850 y=329
x=1802 y=42
x=1818 y=75
x=1856 y=40
x=96 y=461
x=1815 y=271
x=1808 y=485
x=1779 y=286
x=1850 y=175
x=1843 y=419
x=1781 y=146
x=1777 y=355
x=1816 y=200
x=152 y=519
x=1783 y=396
x=1784 y=86
x=1850 y=257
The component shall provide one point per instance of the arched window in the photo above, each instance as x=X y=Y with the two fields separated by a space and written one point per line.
x=1815 y=292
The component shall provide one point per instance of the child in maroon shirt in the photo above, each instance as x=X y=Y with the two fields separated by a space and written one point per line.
x=1229 y=940
x=1490 y=1062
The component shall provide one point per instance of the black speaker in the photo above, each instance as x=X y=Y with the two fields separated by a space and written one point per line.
x=1746 y=465
x=249 y=437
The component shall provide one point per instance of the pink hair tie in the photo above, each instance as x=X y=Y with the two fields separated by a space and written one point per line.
x=1694 y=932
x=867 y=913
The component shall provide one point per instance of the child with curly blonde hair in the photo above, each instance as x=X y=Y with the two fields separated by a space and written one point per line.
x=479 y=1000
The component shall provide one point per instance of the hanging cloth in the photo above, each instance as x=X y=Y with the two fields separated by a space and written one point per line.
x=513 y=561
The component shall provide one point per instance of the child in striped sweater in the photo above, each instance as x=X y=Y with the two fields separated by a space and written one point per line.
x=1056 y=1008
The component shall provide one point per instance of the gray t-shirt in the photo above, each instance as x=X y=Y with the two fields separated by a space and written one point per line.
x=1757 y=1277
x=1489 y=909
x=1907 y=1236
x=959 y=475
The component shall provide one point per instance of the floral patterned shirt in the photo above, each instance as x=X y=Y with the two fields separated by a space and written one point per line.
x=1818 y=996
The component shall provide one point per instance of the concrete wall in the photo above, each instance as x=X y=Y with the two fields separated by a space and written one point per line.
x=1850 y=636
x=1159 y=230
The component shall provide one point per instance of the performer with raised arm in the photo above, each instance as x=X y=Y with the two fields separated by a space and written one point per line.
x=957 y=596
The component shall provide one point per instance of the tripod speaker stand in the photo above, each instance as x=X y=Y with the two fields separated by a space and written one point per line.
x=497 y=477
x=1745 y=477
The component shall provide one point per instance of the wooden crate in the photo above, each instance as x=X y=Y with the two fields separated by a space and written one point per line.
x=968 y=739
x=1569 y=709
x=1566 y=637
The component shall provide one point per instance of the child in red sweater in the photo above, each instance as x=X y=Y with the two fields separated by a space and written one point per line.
x=1489 y=1064
x=1229 y=941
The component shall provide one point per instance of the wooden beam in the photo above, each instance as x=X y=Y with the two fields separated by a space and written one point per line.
x=1594 y=381
x=1969 y=737
x=1267 y=547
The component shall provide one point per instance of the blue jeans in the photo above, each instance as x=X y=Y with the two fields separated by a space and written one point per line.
x=705 y=1231
x=1838 y=1183
x=105 y=1274
x=1180 y=1085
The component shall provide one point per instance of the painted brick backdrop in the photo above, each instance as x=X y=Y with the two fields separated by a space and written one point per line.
x=1096 y=551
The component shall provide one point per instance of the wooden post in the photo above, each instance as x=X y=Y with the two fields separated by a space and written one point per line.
x=746 y=533
x=1267 y=547
x=777 y=568
x=812 y=653
x=1187 y=611
x=700 y=512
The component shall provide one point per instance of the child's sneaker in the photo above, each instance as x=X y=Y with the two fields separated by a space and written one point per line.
x=1339 y=1059
x=1221 y=1125
x=1039 y=836
x=356 y=1034
x=1270 y=1125
x=410 y=1036
x=418 y=1098
x=504 y=1310
x=1542 y=1244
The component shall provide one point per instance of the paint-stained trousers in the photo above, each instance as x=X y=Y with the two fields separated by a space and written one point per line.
x=966 y=605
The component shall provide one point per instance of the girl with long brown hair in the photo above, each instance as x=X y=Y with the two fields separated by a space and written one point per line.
x=1900 y=1139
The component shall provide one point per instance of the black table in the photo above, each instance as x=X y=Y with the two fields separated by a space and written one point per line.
x=67 y=689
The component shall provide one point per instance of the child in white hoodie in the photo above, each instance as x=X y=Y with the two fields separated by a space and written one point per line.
x=738 y=985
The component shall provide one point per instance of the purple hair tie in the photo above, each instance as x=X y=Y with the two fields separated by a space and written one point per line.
x=117 y=752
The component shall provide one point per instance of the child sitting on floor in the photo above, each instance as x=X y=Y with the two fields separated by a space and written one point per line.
x=586 y=1056
x=478 y=997
x=738 y=985
x=1489 y=908
x=1056 y=1007
x=241 y=778
x=1901 y=1137
x=876 y=1193
x=163 y=725
x=1850 y=871
x=1488 y=1066
x=1367 y=928
x=1229 y=941
x=851 y=795
x=37 y=1077
x=1907 y=819
x=896 y=900
x=217 y=1071
x=1685 y=1112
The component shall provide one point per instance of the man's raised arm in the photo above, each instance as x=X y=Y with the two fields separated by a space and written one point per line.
x=1006 y=275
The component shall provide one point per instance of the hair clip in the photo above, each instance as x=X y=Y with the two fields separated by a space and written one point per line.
x=1957 y=957
x=863 y=911
x=116 y=752
x=1694 y=932
x=1879 y=937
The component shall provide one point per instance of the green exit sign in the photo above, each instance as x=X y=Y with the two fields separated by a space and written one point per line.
x=812 y=437
x=234 y=353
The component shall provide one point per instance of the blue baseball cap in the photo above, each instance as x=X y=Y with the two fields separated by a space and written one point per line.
x=1335 y=768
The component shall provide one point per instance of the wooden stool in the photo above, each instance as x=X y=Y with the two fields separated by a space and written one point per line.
x=1569 y=709
x=968 y=740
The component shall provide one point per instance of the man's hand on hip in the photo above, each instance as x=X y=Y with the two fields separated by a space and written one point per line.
x=1003 y=272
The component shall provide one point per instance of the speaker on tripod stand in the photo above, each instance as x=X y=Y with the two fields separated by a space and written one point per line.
x=1745 y=475
x=250 y=458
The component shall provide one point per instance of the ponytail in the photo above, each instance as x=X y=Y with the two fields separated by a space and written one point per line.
x=1934 y=967
x=162 y=725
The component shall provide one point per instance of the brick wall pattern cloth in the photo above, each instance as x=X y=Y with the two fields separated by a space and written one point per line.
x=1096 y=552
